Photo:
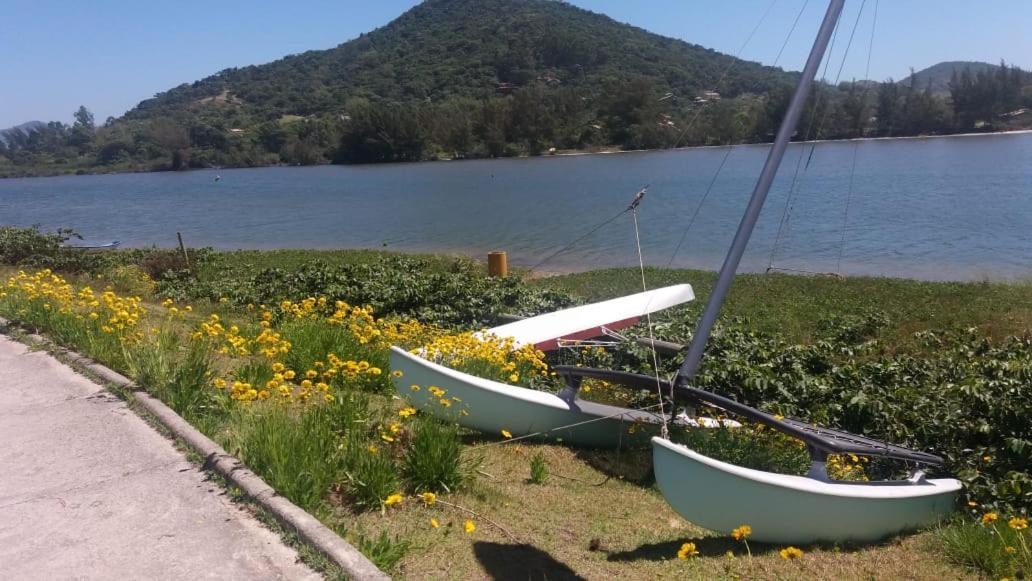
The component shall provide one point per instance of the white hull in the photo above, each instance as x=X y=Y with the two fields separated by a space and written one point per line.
x=586 y=321
x=490 y=407
x=786 y=509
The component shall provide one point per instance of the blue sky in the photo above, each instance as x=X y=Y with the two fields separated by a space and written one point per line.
x=110 y=54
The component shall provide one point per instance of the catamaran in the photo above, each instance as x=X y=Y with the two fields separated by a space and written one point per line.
x=714 y=494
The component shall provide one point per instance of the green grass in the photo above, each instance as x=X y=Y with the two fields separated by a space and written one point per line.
x=994 y=549
x=320 y=456
x=794 y=305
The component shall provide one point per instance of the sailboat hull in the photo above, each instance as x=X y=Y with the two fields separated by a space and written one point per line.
x=785 y=509
x=491 y=407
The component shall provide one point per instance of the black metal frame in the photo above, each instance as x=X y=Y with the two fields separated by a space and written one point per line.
x=821 y=442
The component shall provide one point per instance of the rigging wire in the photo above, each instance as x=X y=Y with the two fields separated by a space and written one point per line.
x=567 y=247
x=786 y=213
x=727 y=71
x=648 y=318
x=856 y=144
x=730 y=147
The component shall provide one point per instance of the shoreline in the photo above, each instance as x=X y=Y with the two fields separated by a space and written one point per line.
x=558 y=153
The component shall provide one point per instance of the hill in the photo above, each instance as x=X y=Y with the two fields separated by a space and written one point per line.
x=445 y=49
x=937 y=77
x=7 y=135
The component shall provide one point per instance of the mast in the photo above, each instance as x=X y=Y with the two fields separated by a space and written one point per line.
x=690 y=366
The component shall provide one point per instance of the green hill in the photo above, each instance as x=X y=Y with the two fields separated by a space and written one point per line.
x=937 y=77
x=445 y=49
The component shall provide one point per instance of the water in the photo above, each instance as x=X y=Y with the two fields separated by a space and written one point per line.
x=943 y=208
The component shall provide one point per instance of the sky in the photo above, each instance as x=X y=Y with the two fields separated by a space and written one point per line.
x=111 y=54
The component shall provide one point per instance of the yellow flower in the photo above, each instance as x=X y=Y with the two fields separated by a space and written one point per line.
x=429 y=498
x=741 y=533
x=219 y=383
x=278 y=367
x=989 y=517
x=687 y=551
x=311 y=374
x=507 y=434
x=414 y=387
x=445 y=403
x=469 y=527
x=289 y=374
x=1018 y=524
x=434 y=524
x=409 y=411
x=514 y=377
x=394 y=499
x=397 y=373
x=1010 y=550
x=790 y=553
x=386 y=438
x=373 y=449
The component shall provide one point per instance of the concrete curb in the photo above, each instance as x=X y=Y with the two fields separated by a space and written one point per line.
x=316 y=534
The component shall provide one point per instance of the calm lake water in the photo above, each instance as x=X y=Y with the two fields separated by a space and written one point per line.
x=941 y=208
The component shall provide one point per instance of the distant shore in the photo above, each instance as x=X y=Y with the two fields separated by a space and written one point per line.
x=558 y=153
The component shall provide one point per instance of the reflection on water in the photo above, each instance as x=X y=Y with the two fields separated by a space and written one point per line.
x=943 y=208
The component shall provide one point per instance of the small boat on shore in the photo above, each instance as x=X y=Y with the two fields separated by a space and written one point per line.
x=95 y=247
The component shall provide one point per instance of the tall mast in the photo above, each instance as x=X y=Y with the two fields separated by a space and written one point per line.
x=690 y=366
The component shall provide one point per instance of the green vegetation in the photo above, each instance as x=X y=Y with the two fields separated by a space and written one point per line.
x=300 y=390
x=493 y=78
x=538 y=469
x=1001 y=548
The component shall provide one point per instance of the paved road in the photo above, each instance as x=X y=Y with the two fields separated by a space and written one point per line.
x=89 y=491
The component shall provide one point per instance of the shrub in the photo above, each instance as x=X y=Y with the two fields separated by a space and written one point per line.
x=160 y=264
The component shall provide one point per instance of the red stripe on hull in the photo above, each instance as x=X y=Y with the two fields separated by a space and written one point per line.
x=553 y=344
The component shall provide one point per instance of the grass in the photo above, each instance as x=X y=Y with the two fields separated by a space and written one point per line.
x=794 y=305
x=993 y=548
x=579 y=513
x=587 y=521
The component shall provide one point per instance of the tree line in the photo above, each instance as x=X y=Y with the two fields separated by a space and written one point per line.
x=533 y=119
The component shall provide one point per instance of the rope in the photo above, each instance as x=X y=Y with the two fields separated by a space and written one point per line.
x=786 y=214
x=575 y=242
x=698 y=208
x=787 y=211
x=648 y=318
x=567 y=427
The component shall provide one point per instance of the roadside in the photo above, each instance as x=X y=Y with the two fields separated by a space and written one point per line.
x=89 y=490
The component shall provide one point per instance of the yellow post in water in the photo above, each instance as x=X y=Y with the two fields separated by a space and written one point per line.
x=497 y=263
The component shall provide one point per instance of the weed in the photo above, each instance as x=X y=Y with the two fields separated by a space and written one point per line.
x=382 y=550
x=433 y=462
x=994 y=549
x=538 y=469
x=372 y=475
x=294 y=450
